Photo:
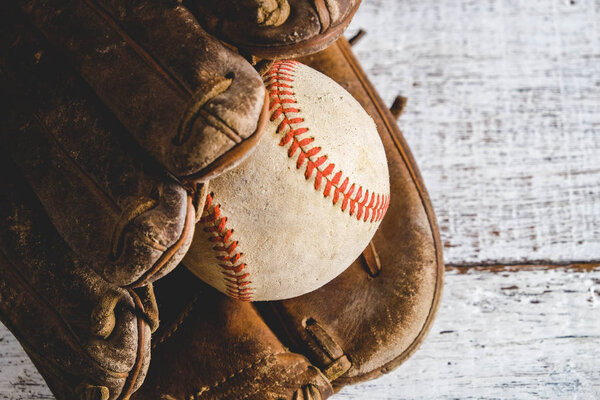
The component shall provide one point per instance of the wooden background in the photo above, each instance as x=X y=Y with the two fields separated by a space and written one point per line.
x=503 y=118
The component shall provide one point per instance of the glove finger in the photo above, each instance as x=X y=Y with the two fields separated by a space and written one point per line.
x=186 y=99
x=78 y=160
x=151 y=244
x=47 y=297
x=276 y=29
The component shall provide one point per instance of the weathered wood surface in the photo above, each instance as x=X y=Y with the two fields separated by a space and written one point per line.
x=500 y=334
x=19 y=379
x=503 y=117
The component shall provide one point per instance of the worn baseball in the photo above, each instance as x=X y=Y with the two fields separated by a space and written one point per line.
x=305 y=203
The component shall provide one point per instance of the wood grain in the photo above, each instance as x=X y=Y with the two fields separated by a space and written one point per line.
x=503 y=117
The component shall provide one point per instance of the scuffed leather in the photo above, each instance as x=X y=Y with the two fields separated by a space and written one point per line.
x=360 y=325
x=312 y=25
x=209 y=347
x=375 y=321
x=185 y=98
x=47 y=295
x=212 y=347
x=117 y=209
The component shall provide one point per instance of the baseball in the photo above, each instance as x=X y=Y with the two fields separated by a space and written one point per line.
x=305 y=203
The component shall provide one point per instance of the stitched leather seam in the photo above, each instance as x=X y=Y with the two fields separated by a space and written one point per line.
x=177 y=324
x=365 y=205
x=237 y=284
x=238 y=372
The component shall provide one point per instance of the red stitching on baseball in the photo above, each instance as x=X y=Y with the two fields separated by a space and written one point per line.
x=236 y=281
x=365 y=208
x=365 y=205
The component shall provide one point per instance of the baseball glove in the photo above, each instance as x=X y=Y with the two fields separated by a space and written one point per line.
x=127 y=149
x=212 y=347
x=191 y=103
x=275 y=29
x=119 y=211
x=364 y=323
x=48 y=297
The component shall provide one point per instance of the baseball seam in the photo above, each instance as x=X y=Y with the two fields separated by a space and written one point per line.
x=364 y=205
x=236 y=280
x=358 y=202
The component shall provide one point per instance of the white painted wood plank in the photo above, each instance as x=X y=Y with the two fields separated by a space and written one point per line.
x=532 y=334
x=503 y=117
x=19 y=379
x=529 y=334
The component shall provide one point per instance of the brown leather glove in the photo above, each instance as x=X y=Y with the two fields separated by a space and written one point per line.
x=49 y=299
x=378 y=311
x=275 y=29
x=362 y=324
x=191 y=103
x=210 y=346
x=118 y=210
x=401 y=306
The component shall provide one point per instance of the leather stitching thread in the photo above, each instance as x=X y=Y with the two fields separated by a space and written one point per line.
x=364 y=205
x=236 y=279
x=353 y=198
x=262 y=360
x=176 y=325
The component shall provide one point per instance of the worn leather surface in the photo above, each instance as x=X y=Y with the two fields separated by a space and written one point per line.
x=310 y=25
x=364 y=323
x=117 y=209
x=375 y=317
x=212 y=347
x=192 y=104
x=47 y=299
